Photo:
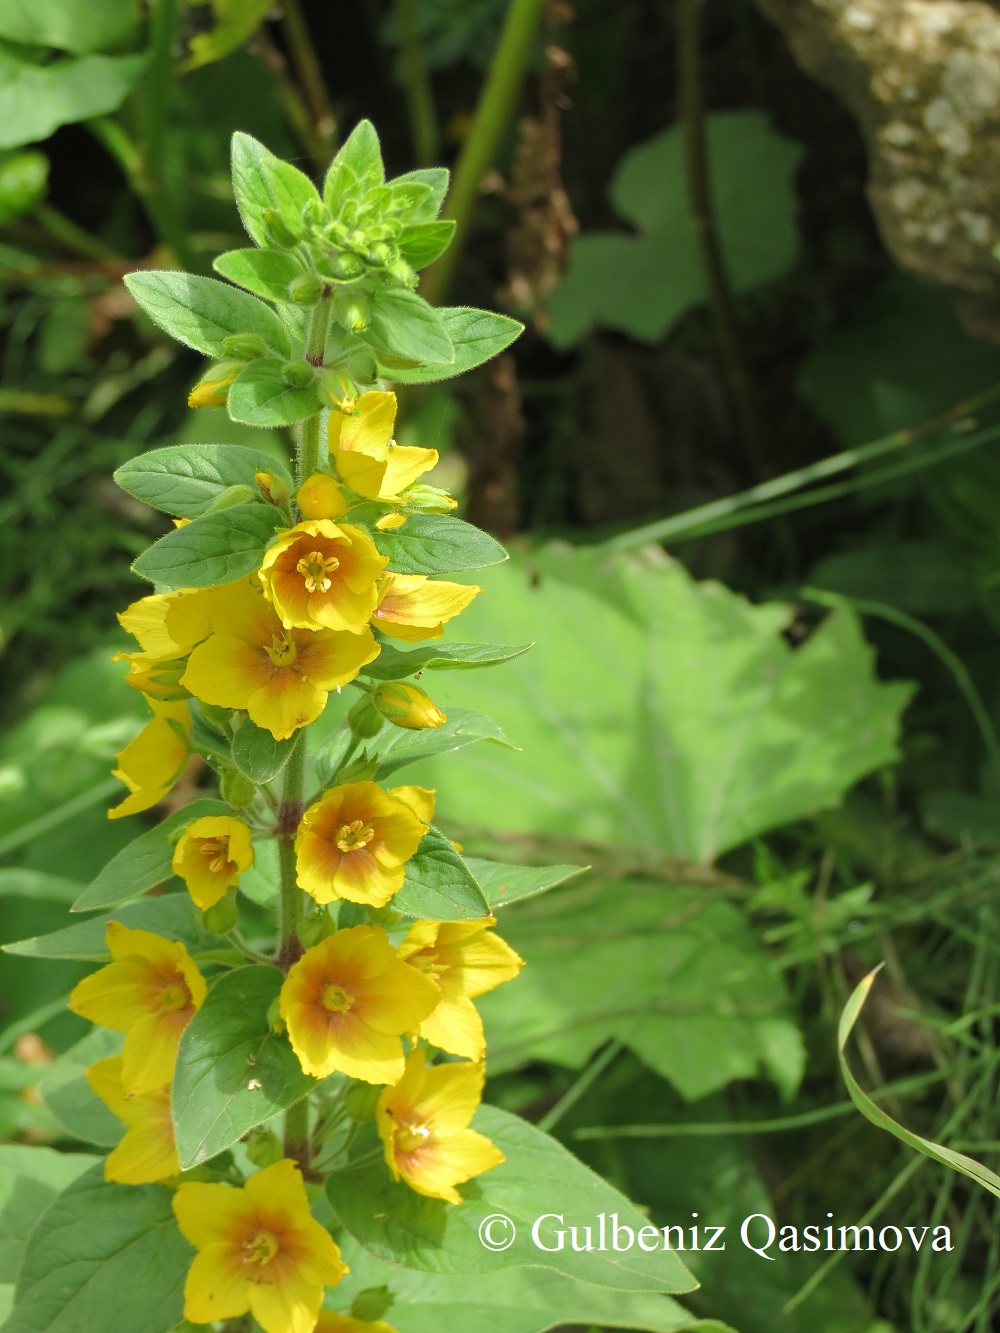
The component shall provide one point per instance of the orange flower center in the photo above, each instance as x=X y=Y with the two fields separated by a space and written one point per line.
x=353 y=836
x=175 y=995
x=282 y=650
x=216 y=853
x=410 y=1136
x=261 y=1249
x=335 y=1000
x=316 y=569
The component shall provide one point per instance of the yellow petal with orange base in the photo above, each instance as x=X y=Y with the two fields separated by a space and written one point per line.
x=146 y=1152
x=153 y=761
x=413 y=606
x=210 y=856
x=322 y=575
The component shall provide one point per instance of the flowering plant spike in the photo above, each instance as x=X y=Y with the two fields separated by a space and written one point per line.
x=288 y=1062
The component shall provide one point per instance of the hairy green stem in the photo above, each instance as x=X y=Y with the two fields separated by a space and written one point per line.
x=493 y=112
x=297 y=1143
x=315 y=352
x=702 y=214
x=419 y=93
x=289 y=814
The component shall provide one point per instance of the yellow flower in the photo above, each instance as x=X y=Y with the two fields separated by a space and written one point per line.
x=354 y=842
x=212 y=390
x=413 y=606
x=281 y=677
x=465 y=959
x=167 y=626
x=146 y=1153
x=210 y=856
x=423 y=1125
x=407 y=706
x=364 y=453
x=321 y=497
x=329 y=1322
x=319 y=575
x=153 y=761
x=347 y=1002
x=151 y=991
x=259 y=1250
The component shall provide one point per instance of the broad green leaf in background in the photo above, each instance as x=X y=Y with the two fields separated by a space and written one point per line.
x=403 y=324
x=173 y=915
x=16 y=882
x=504 y=884
x=23 y=181
x=257 y=754
x=399 y=746
x=261 y=396
x=201 y=312
x=656 y=711
x=922 y=577
x=37 y=99
x=233 y=1072
x=80 y=28
x=675 y=973
x=395 y=663
x=514 y=1300
x=476 y=336
x=30 y=1178
x=439 y=885
x=263 y=182
x=642 y=284
x=186 y=479
x=235 y=22
x=267 y=273
x=539 y=1176
x=65 y=1091
x=437 y=544
x=145 y=862
x=216 y=548
x=119 y=1250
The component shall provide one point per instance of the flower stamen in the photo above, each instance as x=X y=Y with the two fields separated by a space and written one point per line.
x=316 y=569
x=355 y=835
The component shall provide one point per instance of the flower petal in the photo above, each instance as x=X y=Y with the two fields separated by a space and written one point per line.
x=216 y=1286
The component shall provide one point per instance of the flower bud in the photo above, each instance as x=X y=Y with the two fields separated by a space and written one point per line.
x=407 y=706
x=314 y=214
x=298 y=374
x=244 y=346
x=237 y=789
x=275 y=1023
x=212 y=389
x=321 y=497
x=360 y=1100
x=305 y=290
x=338 y=391
x=401 y=273
x=371 y=1304
x=277 y=231
x=426 y=499
x=273 y=489
x=232 y=495
x=343 y=267
x=364 y=720
x=264 y=1147
x=351 y=310
x=382 y=253
x=315 y=927
x=223 y=916
x=361 y=364
x=389 y=522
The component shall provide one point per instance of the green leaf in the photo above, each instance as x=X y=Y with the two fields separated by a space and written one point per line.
x=233 y=1072
x=257 y=754
x=937 y=1152
x=403 y=324
x=23 y=182
x=187 y=479
x=423 y=242
x=82 y=29
x=362 y=153
x=145 y=862
x=172 y=916
x=658 y=712
x=201 y=312
x=684 y=982
x=436 y=180
x=513 y=1300
x=65 y=1092
x=398 y=746
x=539 y=1176
x=216 y=548
x=36 y=99
x=476 y=335
x=265 y=272
x=505 y=884
x=30 y=1178
x=439 y=885
x=260 y=396
x=394 y=664
x=19 y=882
x=642 y=284
x=262 y=181
x=235 y=22
x=437 y=544
x=103 y=1252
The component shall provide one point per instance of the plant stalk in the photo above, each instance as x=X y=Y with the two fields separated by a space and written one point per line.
x=290 y=811
x=315 y=351
x=496 y=104
x=702 y=213
x=419 y=93
x=308 y=71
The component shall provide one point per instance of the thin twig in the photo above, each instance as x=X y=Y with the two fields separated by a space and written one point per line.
x=309 y=73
